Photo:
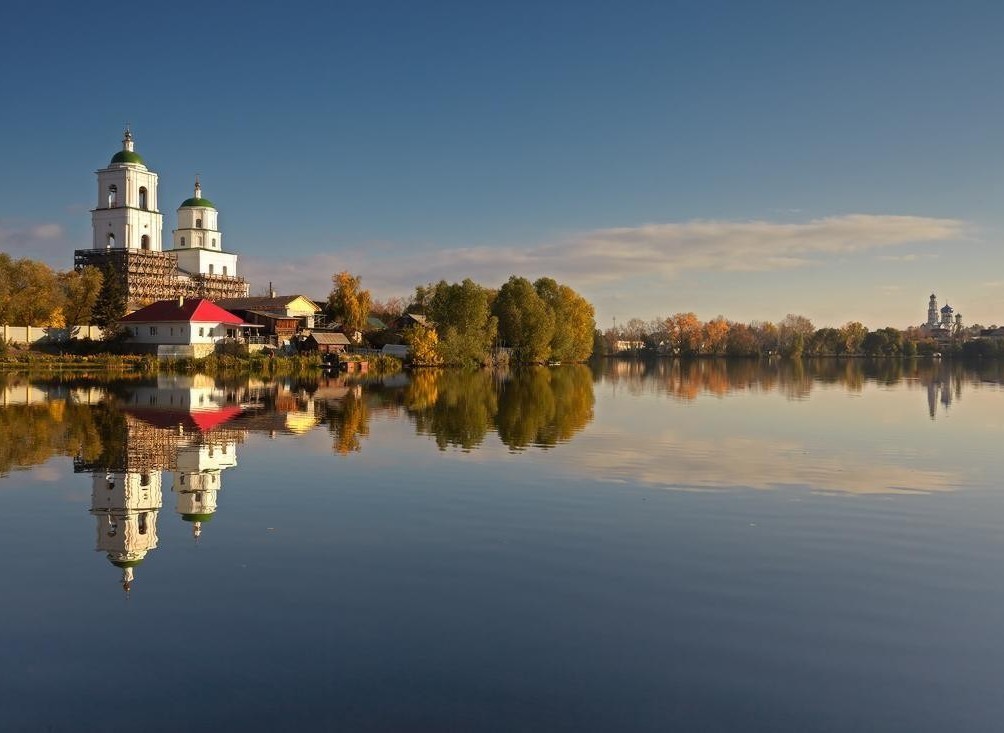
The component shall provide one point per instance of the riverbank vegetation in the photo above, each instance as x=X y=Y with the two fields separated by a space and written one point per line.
x=684 y=334
x=468 y=324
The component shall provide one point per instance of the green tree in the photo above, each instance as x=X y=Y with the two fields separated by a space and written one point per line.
x=525 y=320
x=348 y=303
x=463 y=320
x=112 y=300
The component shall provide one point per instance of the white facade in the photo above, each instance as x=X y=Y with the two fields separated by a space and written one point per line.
x=198 y=261
x=126 y=215
x=182 y=333
x=198 y=241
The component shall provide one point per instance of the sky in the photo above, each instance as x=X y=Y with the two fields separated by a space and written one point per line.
x=842 y=161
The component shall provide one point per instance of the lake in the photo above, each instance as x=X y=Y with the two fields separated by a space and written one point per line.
x=707 y=545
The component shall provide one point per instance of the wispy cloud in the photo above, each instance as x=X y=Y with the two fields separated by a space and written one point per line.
x=664 y=251
x=44 y=241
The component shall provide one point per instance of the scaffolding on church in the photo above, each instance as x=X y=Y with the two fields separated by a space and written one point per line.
x=150 y=276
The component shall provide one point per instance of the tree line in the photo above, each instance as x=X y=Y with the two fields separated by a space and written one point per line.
x=470 y=324
x=684 y=334
x=33 y=294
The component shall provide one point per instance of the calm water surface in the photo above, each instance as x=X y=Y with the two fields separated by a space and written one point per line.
x=673 y=546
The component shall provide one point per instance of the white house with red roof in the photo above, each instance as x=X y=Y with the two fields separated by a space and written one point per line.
x=182 y=327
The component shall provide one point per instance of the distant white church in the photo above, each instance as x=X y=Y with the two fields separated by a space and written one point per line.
x=127 y=237
x=941 y=322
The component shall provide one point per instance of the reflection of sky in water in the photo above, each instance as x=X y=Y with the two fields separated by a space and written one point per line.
x=363 y=569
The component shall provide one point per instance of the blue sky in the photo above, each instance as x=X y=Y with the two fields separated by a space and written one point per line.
x=839 y=160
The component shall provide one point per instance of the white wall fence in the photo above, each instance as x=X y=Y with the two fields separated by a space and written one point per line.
x=46 y=334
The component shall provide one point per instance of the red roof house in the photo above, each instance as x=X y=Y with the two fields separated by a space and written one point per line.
x=182 y=322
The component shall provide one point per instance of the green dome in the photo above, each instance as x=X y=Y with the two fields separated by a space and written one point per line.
x=201 y=203
x=127 y=156
x=196 y=517
x=126 y=563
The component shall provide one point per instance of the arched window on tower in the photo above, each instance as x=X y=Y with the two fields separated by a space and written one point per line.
x=113 y=196
x=210 y=272
x=182 y=241
x=214 y=243
x=144 y=242
x=142 y=197
x=110 y=243
x=198 y=223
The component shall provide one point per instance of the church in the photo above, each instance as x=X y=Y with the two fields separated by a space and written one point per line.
x=941 y=323
x=128 y=238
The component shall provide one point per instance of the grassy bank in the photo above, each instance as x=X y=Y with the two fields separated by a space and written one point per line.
x=24 y=360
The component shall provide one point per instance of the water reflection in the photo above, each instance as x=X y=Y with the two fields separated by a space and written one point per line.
x=532 y=407
x=796 y=379
x=135 y=437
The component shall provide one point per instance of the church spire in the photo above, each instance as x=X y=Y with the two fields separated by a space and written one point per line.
x=198 y=187
x=127 y=143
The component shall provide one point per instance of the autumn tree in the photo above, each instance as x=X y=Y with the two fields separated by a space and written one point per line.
x=80 y=290
x=741 y=341
x=574 y=320
x=793 y=333
x=766 y=336
x=424 y=345
x=684 y=331
x=715 y=336
x=388 y=310
x=29 y=292
x=348 y=303
x=852 y=335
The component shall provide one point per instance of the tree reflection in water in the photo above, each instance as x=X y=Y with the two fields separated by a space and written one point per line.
x=541 y=407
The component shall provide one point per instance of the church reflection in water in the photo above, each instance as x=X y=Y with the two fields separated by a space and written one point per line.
x=178 y=426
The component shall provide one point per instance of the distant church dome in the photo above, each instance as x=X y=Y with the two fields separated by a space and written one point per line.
x=946 y=309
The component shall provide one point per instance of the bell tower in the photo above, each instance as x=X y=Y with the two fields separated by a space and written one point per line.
x=198 y=241
x=126 y=215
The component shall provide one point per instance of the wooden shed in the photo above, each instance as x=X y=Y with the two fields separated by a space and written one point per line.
x=326 y=342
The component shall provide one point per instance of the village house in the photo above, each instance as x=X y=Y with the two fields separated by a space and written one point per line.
x=190 y=327
x=408 y=320
x=292 y=306
x=276 y=329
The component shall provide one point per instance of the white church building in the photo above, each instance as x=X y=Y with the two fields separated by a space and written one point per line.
x=127 y=236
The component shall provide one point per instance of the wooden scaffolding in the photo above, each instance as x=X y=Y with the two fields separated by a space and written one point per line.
x=150 y=276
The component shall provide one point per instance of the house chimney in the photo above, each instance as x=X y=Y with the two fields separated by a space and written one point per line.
x=271 y=292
